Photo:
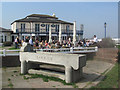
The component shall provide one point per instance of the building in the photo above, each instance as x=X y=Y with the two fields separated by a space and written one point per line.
x=116 y=40
x=45 y=27
x=5 y=35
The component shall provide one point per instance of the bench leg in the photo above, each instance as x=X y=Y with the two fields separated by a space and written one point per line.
x=24 y=69
x=68 y=74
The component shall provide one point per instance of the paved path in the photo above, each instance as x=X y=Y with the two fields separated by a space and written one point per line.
x=91 y=76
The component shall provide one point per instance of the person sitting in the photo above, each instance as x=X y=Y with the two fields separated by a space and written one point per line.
x=49 y=45
x=64 y=42
x=46 y=44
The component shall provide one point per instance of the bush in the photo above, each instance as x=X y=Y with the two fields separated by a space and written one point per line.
x=106 y=43
x=8 y=43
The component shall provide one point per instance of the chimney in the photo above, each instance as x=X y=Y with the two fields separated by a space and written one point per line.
x=53 y=15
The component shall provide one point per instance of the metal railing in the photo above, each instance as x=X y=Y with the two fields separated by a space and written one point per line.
x=71 y=50
x=28 y=30
x=65 y=50
x=5 y=52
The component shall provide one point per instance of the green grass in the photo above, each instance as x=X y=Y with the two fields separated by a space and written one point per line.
x=110 y=80
x=1 y=47
x=4 y=68
x=13 y=48
x=10 y=85
x=47 y=78
x=26 y=78
x=9 y=79
x=15 y=71
x=118 y=46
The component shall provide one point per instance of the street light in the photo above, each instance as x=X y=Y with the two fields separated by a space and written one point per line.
x=105 y=28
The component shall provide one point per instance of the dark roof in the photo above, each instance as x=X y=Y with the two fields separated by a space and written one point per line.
x=4 y=30
x=42 y=18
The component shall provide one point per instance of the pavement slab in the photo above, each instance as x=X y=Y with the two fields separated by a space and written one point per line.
x=91 y=76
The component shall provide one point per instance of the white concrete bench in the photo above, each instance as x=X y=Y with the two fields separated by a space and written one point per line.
x=73 y=63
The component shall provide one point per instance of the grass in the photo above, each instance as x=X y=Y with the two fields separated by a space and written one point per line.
x=110 y=80
x=53 y=86
x=13 y=48
x=15 y=71
x=4 y=68
x=9 y=79
x=118 y=46
x=26 y=78
x=47 y=78
x=1 y=47
x=10 y=85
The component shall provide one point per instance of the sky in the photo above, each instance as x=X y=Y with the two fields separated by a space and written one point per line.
x=92 y=15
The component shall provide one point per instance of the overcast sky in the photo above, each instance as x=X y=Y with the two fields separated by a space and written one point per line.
x=91 y=14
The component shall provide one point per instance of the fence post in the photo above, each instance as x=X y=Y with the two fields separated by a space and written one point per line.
x=71 y=49
x=96 y=48
x=4 y=52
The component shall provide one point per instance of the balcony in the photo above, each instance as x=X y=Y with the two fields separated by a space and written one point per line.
x=26 y=30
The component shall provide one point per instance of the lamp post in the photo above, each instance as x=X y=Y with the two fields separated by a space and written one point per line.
x=105 y=28
x=81 y=31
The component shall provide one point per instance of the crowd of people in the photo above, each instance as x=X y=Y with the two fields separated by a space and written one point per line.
x=55 y=44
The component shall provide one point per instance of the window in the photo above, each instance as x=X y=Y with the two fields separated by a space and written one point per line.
x=57 y=28
x=37 y=27
x=17 y=30
x=5 y=38
x=42 y=25
x=67 y=28
x=22 y=27
x=2 y=38
x=52 y=25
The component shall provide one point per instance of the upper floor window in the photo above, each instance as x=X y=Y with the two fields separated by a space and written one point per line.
x=42 y=25
x=37 y=27
x=22 y=27
x=67 y=28
x=57 y=28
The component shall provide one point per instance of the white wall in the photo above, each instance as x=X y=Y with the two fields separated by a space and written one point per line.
x=17 y=25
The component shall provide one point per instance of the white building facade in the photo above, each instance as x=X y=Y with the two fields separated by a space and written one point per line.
x=45 y=27
x=5 y=35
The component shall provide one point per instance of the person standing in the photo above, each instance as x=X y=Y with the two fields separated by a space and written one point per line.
x=36 y=43
x=26 y=39
x=84 y=42
x=16 y=42
x=95 y=40
x=31 y=41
